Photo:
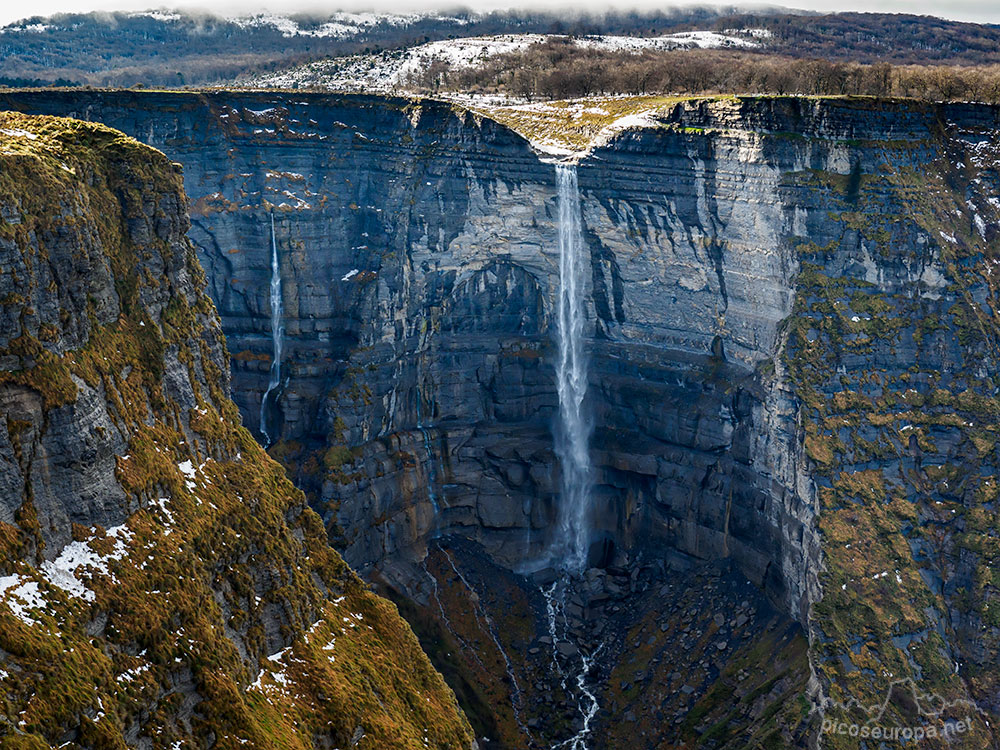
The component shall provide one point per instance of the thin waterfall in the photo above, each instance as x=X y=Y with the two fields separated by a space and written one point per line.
x=571 y=541
x=277 y=337
x=429 y=451
x=573 y=434
x=491 y=630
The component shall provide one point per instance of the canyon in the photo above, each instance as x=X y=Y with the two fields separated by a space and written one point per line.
x=789 y=323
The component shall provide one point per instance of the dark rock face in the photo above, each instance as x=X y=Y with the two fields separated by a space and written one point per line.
x=419 y=267
x=60 y=292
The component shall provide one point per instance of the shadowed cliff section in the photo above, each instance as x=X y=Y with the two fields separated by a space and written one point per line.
x=872 y=228
x=163 y=583
x=791 y=329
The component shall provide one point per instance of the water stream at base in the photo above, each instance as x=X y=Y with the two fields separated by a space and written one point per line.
x=277 y=337
x=587 y=704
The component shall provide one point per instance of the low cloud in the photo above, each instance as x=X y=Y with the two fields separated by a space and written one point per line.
x=980 y=11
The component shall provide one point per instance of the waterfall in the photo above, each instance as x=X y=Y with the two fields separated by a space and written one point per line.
x=571 y=541
x=277 y=337
x=429 y=451
x=574 y=428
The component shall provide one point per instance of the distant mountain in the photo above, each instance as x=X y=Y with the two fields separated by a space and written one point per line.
x=165 y=48
x=179 y=48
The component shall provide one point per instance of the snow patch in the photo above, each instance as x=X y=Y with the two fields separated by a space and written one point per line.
x=64 y=572
x=157 y=15
x=23 y=597
x=167 y=515
x=31 y=28
x=190 y=471
x=18 y=133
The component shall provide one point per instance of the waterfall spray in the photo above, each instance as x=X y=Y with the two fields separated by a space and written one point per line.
x=277 y=337
x=573 y=433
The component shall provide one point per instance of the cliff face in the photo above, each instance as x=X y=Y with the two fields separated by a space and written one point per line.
x=419 y=264
x=791 y=336
x=163 y=583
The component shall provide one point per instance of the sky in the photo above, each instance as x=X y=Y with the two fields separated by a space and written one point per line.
x=982 y=11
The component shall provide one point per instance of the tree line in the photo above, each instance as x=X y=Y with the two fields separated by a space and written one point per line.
x=559 y=69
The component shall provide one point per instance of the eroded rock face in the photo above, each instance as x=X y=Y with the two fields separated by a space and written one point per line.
x=419 y=264
x=770 y=280
x=59 y=291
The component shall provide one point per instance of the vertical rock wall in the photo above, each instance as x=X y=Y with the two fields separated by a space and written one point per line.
x=418 y=247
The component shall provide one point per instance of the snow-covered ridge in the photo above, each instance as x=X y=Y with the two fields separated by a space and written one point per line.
x=682 y=39
x=388 y=71
x=337 y=25
x=460 y=53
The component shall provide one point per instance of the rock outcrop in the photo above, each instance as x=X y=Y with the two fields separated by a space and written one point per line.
x=163 y=584
x=792 y=343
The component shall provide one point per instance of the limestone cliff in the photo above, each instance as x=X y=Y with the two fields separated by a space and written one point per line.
x=163 y=584
x=793 y=342
x=418 y=252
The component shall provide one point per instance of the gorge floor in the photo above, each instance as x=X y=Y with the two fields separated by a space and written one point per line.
x=678 y=651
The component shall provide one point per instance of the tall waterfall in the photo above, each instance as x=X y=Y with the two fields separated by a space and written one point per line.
x=277 y=336
x=573 y=433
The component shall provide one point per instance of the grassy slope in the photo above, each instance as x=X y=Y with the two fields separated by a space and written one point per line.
x=573 y=125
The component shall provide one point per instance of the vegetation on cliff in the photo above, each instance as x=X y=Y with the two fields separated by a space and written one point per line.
x=215 y=613
x=900 y=419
